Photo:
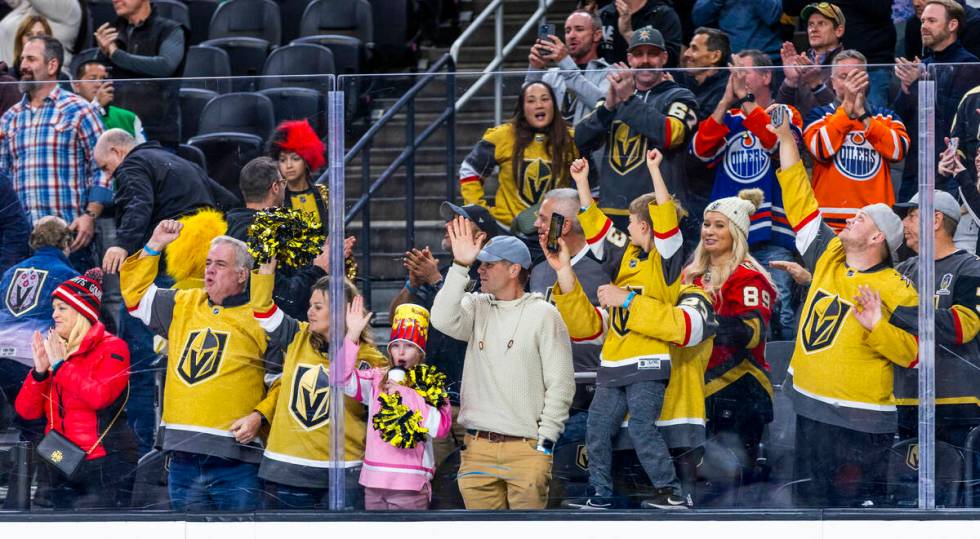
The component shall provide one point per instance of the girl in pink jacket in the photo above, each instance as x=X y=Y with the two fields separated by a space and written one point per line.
x=407 y=405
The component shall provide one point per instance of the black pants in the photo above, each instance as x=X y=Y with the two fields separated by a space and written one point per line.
x=740 y=412
x=838 y=467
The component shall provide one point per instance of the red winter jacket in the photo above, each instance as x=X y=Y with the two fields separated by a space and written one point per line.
x=85 y=392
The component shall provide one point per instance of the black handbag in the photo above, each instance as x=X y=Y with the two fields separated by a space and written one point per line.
x=63 y=454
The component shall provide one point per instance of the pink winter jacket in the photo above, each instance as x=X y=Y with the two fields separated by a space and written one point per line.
x=386 y=466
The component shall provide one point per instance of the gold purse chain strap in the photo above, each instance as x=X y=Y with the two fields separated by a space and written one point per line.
x=107 y=429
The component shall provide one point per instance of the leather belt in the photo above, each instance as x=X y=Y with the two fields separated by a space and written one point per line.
x=494 y=437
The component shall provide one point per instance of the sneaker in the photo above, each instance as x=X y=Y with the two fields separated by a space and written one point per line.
x=665 y=500
x=594 y=503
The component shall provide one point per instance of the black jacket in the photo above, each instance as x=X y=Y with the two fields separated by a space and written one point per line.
x=292 y=286
x=656 y=13
x=14 y=228
x=153 y=184
x=157 y=103
x=708 y=94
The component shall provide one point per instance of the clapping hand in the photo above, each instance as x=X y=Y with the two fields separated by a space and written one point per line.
x=867 y=309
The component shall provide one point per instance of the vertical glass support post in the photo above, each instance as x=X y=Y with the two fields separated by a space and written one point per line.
x=335 y=114
x=926 y=287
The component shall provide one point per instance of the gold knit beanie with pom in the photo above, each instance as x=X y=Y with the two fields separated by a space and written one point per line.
x=739 y=208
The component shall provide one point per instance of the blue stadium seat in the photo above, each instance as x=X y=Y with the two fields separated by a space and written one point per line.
x=344 y=17
x=348 y=52
x=247 y=18
x=200 y=12
x=207 y=63
x=173 y=10
x=246 y=56
x=226 y=153
x=192 y=101
x=240 y=112
x=298 y=104
x=80 y=58
x=193 y=154
x=298 y=59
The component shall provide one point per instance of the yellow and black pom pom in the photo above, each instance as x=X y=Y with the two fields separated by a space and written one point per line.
x=291 y=236
x=427 y=381
x=398 y=424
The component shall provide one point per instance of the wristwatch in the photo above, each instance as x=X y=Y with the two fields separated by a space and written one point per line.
x=749 y=98
x=864 y=116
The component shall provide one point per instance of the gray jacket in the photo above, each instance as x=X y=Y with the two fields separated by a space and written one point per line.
x=586 y=87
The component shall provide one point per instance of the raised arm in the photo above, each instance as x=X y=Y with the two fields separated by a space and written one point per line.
x=453 y=308
x=153 y=306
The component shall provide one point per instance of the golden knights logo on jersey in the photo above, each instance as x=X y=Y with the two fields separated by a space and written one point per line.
x=24 y=290
x=309 y=401
x=536 y=180
x=618 y=316
x=201 y=358
x=627 y=151
x=823 y=321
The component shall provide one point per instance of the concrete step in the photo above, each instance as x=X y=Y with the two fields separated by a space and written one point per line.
x=428 y=183
x=393 y=208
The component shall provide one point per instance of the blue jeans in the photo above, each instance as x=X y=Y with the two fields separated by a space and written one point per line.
x=643 y=401
x=880 y=79
x=783 y=326
x=290 y=497
x=205 y=483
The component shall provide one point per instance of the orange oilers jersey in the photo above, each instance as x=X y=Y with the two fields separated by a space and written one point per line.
x=851 y=168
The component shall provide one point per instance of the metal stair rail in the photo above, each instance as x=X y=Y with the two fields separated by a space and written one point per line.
x=495 y=8
x=407 y=158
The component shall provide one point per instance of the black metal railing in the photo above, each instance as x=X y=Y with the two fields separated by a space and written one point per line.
x=406 y=158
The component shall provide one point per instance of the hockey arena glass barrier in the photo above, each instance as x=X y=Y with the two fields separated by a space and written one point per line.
x=411 y=163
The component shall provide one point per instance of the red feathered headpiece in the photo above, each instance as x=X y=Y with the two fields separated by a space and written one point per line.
x=297 y=136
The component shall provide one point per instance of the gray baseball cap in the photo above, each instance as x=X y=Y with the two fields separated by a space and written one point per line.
x=888 y=223
x=648 y=35
x=506 y=248
x=942 y=202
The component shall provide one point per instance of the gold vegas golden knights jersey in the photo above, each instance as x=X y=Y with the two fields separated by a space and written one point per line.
x=536 y=176
x=298 y=451
x=218 y=366
x=653 y=339
x=842 y=374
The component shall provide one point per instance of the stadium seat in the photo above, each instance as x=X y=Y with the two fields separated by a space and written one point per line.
x=395 y=34
x=291 y=13
x=200 y=12
x=174 y=10
x=298 y=59
x=246 y=57
x=903 y=474
x=344 y=17
x=348 y=52
x=299 y=103
x=208 y=63
x=226 y=153
x=247 y=18
x=192 y=154
x=102 y=12
x=80 y=58
x=192 y=101
x=240 y=112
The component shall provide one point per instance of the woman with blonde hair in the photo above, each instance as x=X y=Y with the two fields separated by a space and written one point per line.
x=737 y=387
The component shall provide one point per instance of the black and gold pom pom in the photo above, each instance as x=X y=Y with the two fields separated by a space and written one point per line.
x=293 y=237
x=398 y=424
x=427 y=381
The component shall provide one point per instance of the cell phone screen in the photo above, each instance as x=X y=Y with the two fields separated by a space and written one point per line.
x=954 y=144
x=777 y=116
x=554 y=231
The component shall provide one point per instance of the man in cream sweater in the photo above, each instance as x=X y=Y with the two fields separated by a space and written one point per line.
x=518 y=380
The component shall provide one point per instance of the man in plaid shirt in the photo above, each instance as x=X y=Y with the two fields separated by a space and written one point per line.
x=48 y=146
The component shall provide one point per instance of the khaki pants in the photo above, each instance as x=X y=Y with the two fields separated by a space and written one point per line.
x=504 y=475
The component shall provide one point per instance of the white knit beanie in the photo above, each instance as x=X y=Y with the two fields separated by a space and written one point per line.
x=738 y=209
